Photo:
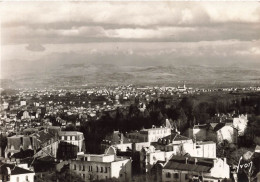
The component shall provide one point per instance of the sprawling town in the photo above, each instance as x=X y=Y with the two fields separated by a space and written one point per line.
x=129 y=91
x=129 y=133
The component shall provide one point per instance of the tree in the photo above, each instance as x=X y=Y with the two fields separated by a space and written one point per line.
x=182 y=120
x=3 y=142
x=65 y=175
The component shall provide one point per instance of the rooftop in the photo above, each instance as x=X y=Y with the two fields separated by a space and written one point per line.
x=68 y=133
x=190 y=164
x=15 y=170
x=176 y=137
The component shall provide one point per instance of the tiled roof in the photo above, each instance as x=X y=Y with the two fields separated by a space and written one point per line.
x=19 y=170
x=176 y=137
x=221 y=125
x=15 y=170
x=188 y=164
x=19 y=142
x=202 y=126
x=43 y=136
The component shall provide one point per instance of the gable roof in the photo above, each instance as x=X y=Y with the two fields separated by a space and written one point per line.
x=221 y=125
x=200 y=126
x=43 y=136
x=176 y=137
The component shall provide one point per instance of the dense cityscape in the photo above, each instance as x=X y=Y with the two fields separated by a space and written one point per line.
x=130 y=133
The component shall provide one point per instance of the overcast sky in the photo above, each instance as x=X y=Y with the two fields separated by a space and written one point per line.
x=195 y=32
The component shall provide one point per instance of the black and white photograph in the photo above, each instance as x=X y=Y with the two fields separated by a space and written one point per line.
x=129 y=91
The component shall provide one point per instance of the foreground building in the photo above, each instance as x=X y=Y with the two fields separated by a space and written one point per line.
x=15 y=173
x=185 y=169
x=182 y=145
x=48 y=142
x=70 y=143
x=149 y=156
x=95 y=167
x=117 y=140
x=148 y=135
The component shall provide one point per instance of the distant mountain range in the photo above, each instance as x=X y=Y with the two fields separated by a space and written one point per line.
x=81 y=74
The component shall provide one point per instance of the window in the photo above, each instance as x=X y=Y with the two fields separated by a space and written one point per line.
x=17 y=179
x=83 y=176
x=105 y=169
x=83 y=168
x=68 y=137
x=101 y=169
x=176 y=175
x=73 y=137
x=168 y=175
x=97 y=168
x=75 y=167
x=62 y=137
x=79 y=167
x=186 y=176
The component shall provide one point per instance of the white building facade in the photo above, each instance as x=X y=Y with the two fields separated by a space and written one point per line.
x=185 y=169
x=96 y=167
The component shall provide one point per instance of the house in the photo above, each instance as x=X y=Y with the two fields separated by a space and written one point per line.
x=183 y=145
x=185 y=169
x=240 y=123
x=50 y=141
x=117 y=140
x=137 y=147
x=103 y=166
x=46 y=141
x=17 y=143
x=218 y=132
x=149 y=156
x=206 y=149
x=70 y=143
x=149 y=135
x=198 y=132
x=171 y=142
x=15 y=173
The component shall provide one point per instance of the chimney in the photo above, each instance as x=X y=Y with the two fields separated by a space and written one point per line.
x=195 y=161
x=225 y=160
x=121 y=138
x=186 y=160
x=215 y=162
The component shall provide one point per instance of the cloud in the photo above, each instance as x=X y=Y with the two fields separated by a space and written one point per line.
x=85 y=34
x=132 y=13
x=70 y=22
x=132 y=32
x=35 y=47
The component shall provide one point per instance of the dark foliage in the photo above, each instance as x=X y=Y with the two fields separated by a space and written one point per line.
x=184 y=113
